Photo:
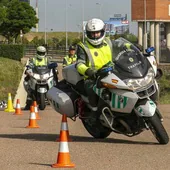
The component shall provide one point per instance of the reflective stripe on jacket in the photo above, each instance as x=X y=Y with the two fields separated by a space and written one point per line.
x=69 y=60
x=97 y=56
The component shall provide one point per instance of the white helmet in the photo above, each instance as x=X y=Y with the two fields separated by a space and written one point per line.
x=95 y=25
x=41 y=52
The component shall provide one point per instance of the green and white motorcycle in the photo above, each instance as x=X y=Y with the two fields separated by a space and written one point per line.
x=127 y=93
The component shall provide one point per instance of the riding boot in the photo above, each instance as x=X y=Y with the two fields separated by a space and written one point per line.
x=93 y=114
x=28 y=104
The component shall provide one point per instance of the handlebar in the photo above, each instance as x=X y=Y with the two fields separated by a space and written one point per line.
x=104 y=70
x=52 y=65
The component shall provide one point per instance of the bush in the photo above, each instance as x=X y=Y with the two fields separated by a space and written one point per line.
x=164 y=84
x=15 y=52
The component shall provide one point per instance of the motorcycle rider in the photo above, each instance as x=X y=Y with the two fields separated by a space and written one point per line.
x=39 y=59
x=92 y=55
x=71 y=57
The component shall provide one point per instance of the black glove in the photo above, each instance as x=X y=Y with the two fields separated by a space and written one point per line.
x=91 y=73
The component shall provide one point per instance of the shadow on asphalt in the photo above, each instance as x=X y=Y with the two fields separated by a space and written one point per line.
x=53 y=138
x=40 y=164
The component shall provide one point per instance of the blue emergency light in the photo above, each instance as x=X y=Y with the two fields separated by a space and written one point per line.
x=150 y=49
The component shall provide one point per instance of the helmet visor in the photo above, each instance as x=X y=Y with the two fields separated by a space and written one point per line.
x=40 y=53
x=95 y=35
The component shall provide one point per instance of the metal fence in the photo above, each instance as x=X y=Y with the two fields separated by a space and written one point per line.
x=54 y=53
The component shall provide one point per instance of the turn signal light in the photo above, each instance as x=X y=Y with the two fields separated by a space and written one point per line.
x=110 y=86
x=114 y=81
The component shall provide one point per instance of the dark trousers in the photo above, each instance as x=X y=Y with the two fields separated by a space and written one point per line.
x=92 y=96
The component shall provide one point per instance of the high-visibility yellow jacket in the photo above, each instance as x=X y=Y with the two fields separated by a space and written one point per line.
x=69 y=60
x=96 y=57
x=42 y=62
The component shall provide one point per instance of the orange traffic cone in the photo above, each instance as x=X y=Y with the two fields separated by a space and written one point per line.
x=36 y=110
x=63 y=160
x=9 y=104
x=64 y=126
x=18 y=108
x=32 y=120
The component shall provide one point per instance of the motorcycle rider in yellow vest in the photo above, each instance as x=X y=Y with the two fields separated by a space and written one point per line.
x=39 y=59
x=71 y=57
x=92 y=55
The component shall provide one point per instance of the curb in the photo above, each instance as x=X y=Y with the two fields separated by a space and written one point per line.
x=21 y=93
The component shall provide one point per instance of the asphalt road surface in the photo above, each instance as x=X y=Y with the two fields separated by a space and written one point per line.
x=37 y=149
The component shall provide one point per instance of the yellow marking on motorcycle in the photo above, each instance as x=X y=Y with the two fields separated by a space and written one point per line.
x=114 y=81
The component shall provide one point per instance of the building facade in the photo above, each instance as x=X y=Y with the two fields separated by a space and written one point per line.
x=156 y=10
x=153 y=17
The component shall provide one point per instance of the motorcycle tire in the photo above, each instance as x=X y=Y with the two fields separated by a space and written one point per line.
x=158 y=129
x=96 y=129
x=42 y=104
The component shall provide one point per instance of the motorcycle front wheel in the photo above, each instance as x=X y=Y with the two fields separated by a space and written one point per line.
x=42 y=104
x=158 y=129
x=96 y=129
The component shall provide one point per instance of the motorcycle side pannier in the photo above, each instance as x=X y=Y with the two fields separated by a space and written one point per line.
x=62 y=101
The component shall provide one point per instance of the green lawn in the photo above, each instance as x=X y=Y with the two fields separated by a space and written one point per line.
x=10 y=74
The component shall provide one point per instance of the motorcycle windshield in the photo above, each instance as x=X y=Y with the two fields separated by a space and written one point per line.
x=41 y=70
x=129 y=61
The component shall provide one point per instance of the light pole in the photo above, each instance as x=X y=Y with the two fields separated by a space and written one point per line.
x=145 y=27
x=21 y=35
x=45 y=22
x=36 y=10
x=100 y=9
x=83 y=19
x=66 y=26
x=79 y=28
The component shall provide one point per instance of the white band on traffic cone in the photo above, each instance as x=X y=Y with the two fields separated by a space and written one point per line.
x=32 y=116
x=64 y=126
x=36 y=110
x=18 y=106
x=63 y=147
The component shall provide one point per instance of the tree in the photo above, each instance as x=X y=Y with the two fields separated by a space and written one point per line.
x=2 y=14
x=18 y=16
x=3 y=10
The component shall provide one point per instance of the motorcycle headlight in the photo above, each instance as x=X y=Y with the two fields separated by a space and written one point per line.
x=135 y=84
x=36 y=76
x=43 y=77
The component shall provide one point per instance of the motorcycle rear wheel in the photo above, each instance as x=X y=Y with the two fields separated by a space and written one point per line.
x=96 y=129
x=158 y=129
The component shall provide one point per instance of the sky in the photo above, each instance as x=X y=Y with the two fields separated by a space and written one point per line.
x=61 y=15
